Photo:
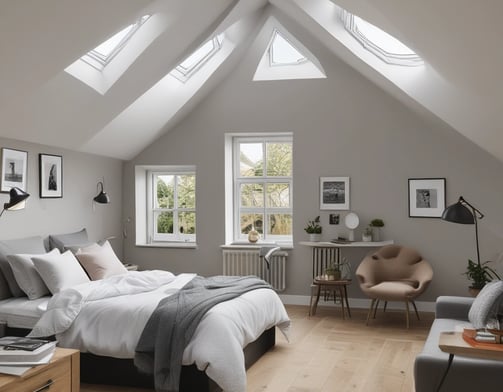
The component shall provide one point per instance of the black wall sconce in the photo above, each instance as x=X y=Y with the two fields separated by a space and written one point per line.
x=17 y=200
x=102 y=196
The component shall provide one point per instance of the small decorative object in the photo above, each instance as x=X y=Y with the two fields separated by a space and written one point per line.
x=426 y=197
x=314 y=229
x=253 y=235
x=51 y=176
x=479 y=274
x=14 y=168
x=367 y=234
x=351 y=221
x=334 y=193
x=375 y=225
x=333 y=219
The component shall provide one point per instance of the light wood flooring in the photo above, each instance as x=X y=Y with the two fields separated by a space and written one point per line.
x=328 y=354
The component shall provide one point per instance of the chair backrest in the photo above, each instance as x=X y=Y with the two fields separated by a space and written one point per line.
x=394 y=262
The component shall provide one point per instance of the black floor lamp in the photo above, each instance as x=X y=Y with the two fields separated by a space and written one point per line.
x=464 y=213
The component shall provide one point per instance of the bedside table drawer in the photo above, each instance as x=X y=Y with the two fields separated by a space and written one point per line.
x=55 y=377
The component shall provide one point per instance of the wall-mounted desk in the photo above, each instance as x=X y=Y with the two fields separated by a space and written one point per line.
x=325 y=253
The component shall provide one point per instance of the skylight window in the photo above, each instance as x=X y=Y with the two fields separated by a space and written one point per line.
x=282 y=52
x=100 y=56
x=383 y=45
x=196 y=60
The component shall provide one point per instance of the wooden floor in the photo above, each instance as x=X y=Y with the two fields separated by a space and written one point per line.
x=328 y=354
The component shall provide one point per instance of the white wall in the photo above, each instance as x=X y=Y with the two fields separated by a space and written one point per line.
x=343 y=126
x=74 y=210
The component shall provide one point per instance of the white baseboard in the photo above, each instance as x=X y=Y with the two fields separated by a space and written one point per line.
x=355 y=303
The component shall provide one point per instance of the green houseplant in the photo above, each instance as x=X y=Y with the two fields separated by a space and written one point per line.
x=333 y=272
x=376 y=224
x=479 y=274
x=314 y=229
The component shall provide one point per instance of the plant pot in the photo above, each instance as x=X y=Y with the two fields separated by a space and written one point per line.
x=314 y=237
x=473 y=291
x=376 y=235
x=366 y=237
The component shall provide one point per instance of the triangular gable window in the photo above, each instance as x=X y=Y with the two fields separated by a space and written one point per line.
x=285 y=58
x=196 y=60
x=100 y=56
x=282 y=52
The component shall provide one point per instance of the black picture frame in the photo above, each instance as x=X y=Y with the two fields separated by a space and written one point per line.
x=50 y=176
x=14 y=169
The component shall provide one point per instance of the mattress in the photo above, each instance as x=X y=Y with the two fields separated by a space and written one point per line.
x=20 y=312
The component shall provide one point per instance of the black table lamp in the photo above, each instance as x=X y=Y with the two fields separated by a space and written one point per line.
x=464 y=213
x=16 y=201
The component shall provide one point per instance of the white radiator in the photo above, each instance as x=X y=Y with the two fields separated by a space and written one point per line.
x=240 y=262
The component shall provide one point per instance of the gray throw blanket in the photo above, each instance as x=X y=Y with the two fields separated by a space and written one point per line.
x=172 y=324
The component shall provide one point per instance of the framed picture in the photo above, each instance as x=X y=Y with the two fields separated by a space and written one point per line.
x=14 y=168
x=334 y=193
x=426 y=197
x=50 y=176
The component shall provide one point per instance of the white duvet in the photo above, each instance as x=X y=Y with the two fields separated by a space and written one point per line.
x=106 y=317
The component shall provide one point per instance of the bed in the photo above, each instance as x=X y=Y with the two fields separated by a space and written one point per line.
x=230 y=337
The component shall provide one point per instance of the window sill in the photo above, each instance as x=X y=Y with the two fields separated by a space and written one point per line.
x=180 y=245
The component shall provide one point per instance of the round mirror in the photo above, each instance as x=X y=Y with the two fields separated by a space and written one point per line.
x=351 y=221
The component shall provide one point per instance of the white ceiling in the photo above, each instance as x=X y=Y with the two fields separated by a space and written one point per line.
x=460 y=84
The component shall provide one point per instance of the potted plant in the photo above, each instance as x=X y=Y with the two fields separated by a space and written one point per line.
x=313 y=228
x=367 y=234
x=479 y=274
x=376 y=223
x=333 y=272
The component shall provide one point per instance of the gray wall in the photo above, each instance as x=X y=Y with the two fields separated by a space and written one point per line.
x=75 y=210
x=343 y=126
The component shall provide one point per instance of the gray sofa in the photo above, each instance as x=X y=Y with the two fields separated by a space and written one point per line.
x=465 y=374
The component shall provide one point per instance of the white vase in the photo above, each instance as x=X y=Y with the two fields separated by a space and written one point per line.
x=366 y=237
x=314 y=237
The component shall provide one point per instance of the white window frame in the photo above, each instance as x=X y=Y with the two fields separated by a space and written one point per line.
x=273 y=63
x=153 y=210
x=408 y=60
x=238 y=181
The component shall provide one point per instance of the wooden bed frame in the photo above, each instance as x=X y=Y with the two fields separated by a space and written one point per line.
x=96 y=369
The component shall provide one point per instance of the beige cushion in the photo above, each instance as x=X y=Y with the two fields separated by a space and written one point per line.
x=100 y=261
x=60 y=271
x=27 y=276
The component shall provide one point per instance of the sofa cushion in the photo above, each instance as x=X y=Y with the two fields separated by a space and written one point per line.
x=486 y=305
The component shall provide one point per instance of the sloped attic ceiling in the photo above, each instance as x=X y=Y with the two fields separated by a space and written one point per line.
x=138 y=100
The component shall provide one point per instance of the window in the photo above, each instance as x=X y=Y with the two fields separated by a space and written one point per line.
x=100 y=56
x=383 y=45
x=196 y=60
x=172 y=205
x=262 y=187
x=282 y=52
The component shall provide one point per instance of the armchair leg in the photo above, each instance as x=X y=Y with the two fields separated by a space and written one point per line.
x=375 y=309
x=415 y=308
x=370 y=311
x=407 y=313
x=385 y=306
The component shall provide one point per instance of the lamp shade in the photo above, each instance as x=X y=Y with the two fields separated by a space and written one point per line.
x=102 y=197
x=17 y=199
x=458 y=213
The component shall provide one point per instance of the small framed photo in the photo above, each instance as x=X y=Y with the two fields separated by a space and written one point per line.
x=50 y=176
x=14 y=168
x=426 y=197
x=334 y=193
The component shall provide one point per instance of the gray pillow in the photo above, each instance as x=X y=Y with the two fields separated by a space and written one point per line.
x=60 y=241
x=486 y=305
x=31 y=245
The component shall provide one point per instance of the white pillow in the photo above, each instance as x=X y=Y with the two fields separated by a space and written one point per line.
x=27 y=276
x=60 y=271
x=100 y=261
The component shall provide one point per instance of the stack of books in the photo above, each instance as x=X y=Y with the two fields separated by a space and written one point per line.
x=18 y=354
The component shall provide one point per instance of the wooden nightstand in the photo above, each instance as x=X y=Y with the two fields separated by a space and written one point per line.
x=62 y=374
